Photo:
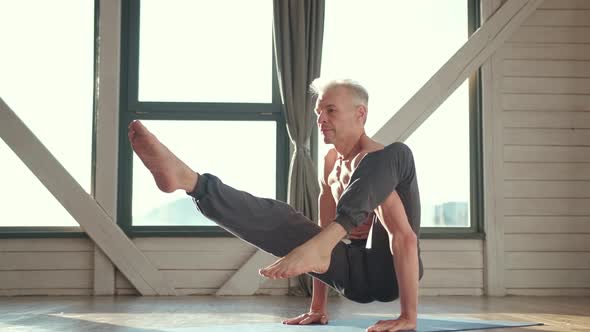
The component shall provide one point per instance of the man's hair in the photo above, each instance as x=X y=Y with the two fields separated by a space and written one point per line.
x=320 y=86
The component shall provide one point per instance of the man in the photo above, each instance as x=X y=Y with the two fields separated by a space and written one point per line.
x=362 y=179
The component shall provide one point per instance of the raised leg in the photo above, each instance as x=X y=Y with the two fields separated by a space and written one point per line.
x=277 y=228
x=270 y=225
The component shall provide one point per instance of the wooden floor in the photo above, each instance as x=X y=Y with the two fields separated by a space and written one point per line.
x=151 y=314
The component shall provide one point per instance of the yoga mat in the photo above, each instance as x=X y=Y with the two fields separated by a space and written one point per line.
x=425 y=324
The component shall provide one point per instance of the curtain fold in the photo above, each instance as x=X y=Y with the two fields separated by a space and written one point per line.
x=298 y=28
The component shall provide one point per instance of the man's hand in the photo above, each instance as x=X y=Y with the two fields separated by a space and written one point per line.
x=400 y=324
x=312 y=317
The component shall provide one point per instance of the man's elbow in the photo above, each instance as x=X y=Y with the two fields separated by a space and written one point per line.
x=401 y=244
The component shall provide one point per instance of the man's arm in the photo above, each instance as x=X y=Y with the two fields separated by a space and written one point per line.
x=327 y=213
x=318 y=312
x=405 y=255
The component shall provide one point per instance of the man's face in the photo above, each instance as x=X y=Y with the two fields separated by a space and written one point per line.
x=338 y=115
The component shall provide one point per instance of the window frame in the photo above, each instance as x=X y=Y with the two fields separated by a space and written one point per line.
x=131 y=109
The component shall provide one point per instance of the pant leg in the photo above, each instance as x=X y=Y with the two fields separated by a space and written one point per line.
x=277 y=228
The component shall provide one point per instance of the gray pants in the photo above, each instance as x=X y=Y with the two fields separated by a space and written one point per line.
x=358 y=273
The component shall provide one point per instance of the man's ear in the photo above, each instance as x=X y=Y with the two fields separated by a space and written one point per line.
x=362 y=111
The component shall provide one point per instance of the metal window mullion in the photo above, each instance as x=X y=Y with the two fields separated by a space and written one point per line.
x=132 y=16
x=145 y=107
x=204 y=116
x=475 y=132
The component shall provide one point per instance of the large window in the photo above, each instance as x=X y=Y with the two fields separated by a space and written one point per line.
x=46 y=78
x=200 y=76
x=393 y=48
x=207 y=150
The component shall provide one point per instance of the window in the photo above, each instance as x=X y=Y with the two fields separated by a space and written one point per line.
x=230 y=160
x=199 y=51
x=393 y=48
x=201 y=78
x=47 y=78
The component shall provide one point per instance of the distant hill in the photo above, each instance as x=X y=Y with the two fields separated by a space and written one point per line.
x=181 y=212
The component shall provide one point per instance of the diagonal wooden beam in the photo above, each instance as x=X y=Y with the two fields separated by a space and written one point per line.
x=246 y=281
x=483 y=43
x=93 y=219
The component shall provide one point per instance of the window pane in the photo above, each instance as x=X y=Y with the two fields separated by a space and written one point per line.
x=46 y=77
x=205 y=51
x=393 y=48
x=241 y=153
x=441 y=153
x=25 y=201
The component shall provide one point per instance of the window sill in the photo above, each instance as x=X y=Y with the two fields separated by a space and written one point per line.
x=194 y=231
x=450 y=233
x=41 y=232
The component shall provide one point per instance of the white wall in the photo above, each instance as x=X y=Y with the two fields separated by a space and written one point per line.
x=200 y=266
x=46 y=266
x=544 y=106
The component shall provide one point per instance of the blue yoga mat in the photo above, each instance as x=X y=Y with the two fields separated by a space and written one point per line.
x=425 y=324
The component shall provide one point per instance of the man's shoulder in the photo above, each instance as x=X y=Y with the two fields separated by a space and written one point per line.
x=369 y=145
x=329 y=163
x=330 y=157
x=368 y=148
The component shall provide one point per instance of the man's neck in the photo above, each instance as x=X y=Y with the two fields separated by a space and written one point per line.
x=347 y=150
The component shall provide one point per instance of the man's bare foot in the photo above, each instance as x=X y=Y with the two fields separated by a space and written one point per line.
x=303 y=259
x=169 y=172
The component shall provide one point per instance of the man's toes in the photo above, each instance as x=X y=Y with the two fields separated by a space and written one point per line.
x=273 y=271
x=274 y=265
x=133 y=126
x=266 y=269
x=139 y=126
x=266 y=272
x=276 y=273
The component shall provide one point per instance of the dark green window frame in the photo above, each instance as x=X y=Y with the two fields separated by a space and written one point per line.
x=131 y=109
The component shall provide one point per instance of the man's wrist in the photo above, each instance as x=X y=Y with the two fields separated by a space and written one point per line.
x=412 y=317
x=318 y=312
x=318 y=309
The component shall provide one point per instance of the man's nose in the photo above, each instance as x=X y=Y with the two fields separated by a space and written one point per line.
x=321 y=118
